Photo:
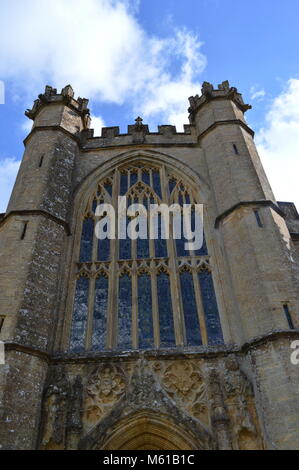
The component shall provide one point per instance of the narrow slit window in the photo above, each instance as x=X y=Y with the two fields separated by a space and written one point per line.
x=41 y=161
x=288 y=316
x=236 y=149
x=24 y=230
x=258 y=218
x=1 y=323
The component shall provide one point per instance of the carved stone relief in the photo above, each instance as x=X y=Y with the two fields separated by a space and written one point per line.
x=106 y=385
x=54 y=412
x=239 y=398
x=184 y=383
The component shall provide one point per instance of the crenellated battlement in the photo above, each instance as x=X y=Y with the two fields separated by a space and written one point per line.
x=138 y=133
x=50 y=96
x=208 y=93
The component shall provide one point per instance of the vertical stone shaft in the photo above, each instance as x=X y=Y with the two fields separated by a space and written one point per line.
x=32 y=238
x=258 y=250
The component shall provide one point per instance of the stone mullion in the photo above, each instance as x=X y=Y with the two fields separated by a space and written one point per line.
x=112 y=310
x=149 y=223
x=151 y=178
x=175 y=296
x=134 y=306
x=114 y=294
x=181 y=306
x=155 y=307
x=199 y=304
x=91 y=291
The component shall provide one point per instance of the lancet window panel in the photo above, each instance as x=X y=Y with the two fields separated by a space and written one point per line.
x=141 y=293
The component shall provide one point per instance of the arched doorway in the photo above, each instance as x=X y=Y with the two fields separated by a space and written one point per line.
x=148 y=431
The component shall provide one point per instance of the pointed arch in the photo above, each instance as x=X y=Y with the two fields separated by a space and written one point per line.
x=146 y=430
x=143 y=176
x=124 y=159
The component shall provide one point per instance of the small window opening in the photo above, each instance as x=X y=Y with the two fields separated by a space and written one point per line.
x=288 y=316
x=236 y=149
x=24 y=230
x=41 y=161
x=258 y=218
x=1 y=323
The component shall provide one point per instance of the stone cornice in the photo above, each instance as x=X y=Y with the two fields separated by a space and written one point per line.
x=37 y=212
x=35 y=129
x=238 y=122
x=262 y=203
x=11 y=346
x=201 y=352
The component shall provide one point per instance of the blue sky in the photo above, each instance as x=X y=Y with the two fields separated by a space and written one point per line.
x=147 y=57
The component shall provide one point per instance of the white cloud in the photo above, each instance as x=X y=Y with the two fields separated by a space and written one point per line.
x=100 y=48
x=97 y=122
x=257 y=94
x=278 y=143
x=8 y=172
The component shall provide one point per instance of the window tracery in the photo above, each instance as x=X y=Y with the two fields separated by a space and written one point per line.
x=142 y=293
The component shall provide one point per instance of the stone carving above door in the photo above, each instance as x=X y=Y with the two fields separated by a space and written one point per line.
x=184 y=383
x=105 y=386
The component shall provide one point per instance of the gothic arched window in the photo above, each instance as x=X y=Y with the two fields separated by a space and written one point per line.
x=142 y=293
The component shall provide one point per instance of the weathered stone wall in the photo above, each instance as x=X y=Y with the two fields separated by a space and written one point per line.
x=208 y=398
x=242 y=396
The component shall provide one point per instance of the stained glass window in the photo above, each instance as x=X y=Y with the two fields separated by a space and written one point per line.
x=104 y=249
x=160 y=243
x=143 y=243
x=134 y=178
x=80 y=313
x=157 y=183
x=100 y=313
x=210 y=307
x=193 y=336
x=163 y=292
x=125 y=312
x=145 y=318
x=86 y=240
x=167 y=338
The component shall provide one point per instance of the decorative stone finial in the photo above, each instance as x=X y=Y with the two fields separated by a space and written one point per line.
x=206 y=88
x=138 y=121
x=68 y=91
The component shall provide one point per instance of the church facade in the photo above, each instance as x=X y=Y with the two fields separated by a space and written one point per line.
x=130 y=344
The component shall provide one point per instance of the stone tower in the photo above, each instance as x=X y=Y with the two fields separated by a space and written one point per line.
x=117 y=344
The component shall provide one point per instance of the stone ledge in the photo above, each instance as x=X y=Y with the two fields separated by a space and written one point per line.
x=64 y=224
x=199 y=352
x=263 y=203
